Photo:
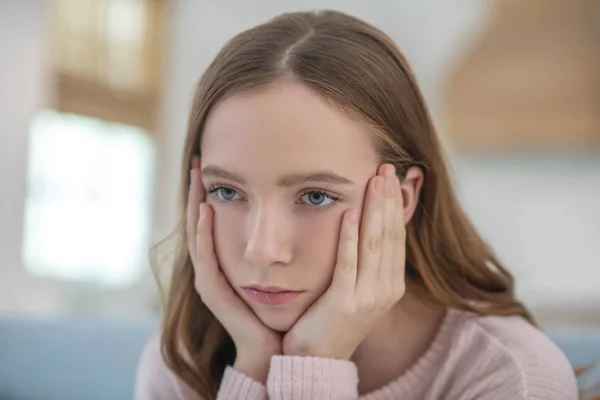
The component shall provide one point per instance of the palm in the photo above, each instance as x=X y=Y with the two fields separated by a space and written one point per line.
x=313 y=323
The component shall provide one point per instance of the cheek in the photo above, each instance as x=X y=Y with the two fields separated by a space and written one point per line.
x=320 y=236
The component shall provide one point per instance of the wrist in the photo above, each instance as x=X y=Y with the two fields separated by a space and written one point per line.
x=305 y=350
x=296 y=350
x=255 y=367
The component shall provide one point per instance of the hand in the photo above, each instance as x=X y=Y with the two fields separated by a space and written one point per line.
x=254 y=342
x=368 y=278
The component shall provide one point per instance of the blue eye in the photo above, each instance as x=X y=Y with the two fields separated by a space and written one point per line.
x=224 y=193
x=317 y=198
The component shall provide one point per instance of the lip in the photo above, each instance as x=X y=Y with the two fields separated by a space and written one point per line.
x=271 y=295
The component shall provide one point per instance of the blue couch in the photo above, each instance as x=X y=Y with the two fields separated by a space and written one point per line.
x=97 y=360
x=70 y=359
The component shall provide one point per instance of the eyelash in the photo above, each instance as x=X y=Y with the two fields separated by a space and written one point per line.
x=330 y=196
x=214 y=188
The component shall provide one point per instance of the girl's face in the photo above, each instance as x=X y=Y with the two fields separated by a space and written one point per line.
x=280 y=167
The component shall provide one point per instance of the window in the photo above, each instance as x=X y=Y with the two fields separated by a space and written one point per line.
x=88 y=211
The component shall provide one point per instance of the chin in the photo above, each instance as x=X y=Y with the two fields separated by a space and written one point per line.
x=280 y=323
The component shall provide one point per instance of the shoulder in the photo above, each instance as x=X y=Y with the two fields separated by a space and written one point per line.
x=512 y=358
x=155 y=381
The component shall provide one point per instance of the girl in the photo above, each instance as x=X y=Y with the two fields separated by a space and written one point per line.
x=323 y=253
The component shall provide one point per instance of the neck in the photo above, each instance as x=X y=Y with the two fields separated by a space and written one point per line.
x=398 y=340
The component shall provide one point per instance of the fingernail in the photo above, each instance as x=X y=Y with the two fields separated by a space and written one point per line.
x=352 y=217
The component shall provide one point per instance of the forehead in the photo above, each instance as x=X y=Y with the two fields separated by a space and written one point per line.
x=285 y=127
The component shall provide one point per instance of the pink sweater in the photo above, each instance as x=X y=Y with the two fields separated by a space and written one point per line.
x=471 y=357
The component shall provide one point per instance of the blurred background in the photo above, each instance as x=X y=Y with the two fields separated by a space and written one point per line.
x=94 y=96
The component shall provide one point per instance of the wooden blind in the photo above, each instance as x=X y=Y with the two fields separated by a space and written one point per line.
x=107 y=58
x=531 y=79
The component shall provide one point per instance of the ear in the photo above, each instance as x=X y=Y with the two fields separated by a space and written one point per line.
x=411 y=188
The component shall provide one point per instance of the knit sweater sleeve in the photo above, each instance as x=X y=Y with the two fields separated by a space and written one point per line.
x=314 y=378
x=155 y=381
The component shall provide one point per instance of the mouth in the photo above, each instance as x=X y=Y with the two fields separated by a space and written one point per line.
x=271 y=295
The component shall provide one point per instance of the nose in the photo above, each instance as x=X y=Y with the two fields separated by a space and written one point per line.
x=269 y=241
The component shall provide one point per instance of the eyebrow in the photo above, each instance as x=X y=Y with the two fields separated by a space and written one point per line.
x=285 y=181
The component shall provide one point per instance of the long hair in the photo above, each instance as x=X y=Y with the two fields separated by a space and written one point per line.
x=360 y=71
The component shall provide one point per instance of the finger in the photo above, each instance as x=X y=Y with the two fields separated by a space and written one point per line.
x=346 y=266
x=210 y=282
x=399 y=267
x=371 y=229
x=195 y=196
x=206 y=268
x=386 y=265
